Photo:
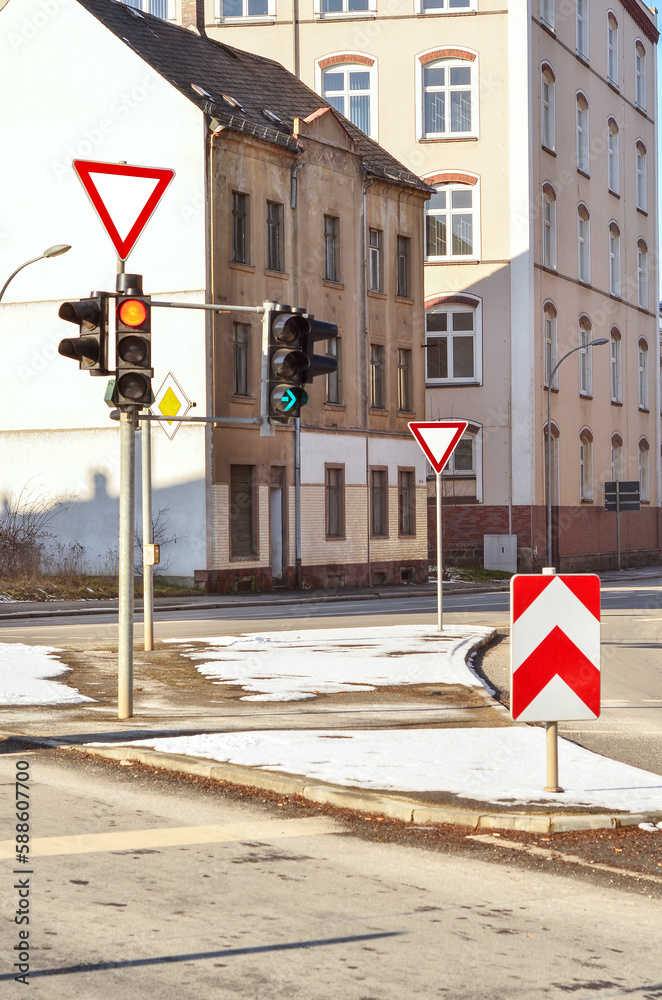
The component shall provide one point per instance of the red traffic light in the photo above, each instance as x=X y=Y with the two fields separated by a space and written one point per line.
x=132 y=312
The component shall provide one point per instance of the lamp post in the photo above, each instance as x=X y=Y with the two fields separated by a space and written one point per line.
x=51 y=252
x=592 y=343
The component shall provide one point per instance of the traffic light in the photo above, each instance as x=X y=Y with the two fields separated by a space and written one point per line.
x=288 y=361
x=90 y=349
x=133 y=348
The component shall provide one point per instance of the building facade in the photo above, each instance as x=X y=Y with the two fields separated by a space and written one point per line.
x=535 y=123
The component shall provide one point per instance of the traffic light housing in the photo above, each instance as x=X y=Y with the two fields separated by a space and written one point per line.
x=319 y=364
x=133 y=347
x=288 y=361
x=90 y=349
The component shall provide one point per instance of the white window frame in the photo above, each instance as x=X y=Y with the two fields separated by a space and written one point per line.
x=449 y=308
x=347 y=66
x=473 y=433
x=245 y=17
x=549 y=236
x=450 y=62
x=548 y=107
x=641 y=175
x=615 y=365
x=554 y=465
x=345 y=13
x=642 y=274
x=613 y=162
x=375 y=260
x=616 y=458
x=585 y=358
x=550 y=343
x=586 y=465
x=583 y=244
x=581 y=22
x=583 y=134
x=643 y=397
x=474 y=211
x=614 y=259
x=644 y=471
x=444 y=7
x=548 y=13
x=612 y=48
x=640 y=74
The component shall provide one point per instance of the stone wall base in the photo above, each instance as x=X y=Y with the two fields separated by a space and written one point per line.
x=236 y=580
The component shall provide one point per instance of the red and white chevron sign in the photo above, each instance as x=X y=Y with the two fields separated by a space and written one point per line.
x=554 y=647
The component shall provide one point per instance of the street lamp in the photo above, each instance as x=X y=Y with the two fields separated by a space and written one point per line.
x=51 y=252
x=592 y=343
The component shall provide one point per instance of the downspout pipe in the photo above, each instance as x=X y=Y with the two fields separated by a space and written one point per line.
x=366 y=369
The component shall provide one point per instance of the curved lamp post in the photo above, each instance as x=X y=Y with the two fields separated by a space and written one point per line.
x=51 y=252
x=592 y=343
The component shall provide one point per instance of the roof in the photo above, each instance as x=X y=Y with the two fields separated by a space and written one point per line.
x=243 y=91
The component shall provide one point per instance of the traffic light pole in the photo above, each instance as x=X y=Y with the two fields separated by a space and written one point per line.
x=126 y=569
x=148 y=568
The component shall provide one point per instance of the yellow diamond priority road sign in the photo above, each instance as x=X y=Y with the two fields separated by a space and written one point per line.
x=171 y=401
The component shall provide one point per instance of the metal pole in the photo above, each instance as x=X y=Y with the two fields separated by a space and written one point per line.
x=552 y=757
x=297 y=503
x=549 y=470
x=440 y=567
x=126 y=571
x=148 y=568
x=618 y=524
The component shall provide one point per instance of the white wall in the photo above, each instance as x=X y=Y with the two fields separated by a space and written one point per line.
x=72 y=89
x=318 y=448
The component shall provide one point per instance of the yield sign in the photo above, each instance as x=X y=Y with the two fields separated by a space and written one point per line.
x=438 y=439
x=555 y=647
x=124 y=197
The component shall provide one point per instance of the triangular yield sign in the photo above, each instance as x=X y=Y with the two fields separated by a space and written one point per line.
x=124 y=197
x=438 y=439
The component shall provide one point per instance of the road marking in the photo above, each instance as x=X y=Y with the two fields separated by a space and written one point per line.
x=133 y=840
x=546 y=852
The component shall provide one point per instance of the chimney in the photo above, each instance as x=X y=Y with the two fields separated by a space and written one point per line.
x=193 y=16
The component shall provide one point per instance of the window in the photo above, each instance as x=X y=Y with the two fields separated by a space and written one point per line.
x=616 y=458
x=644 y=471
x=551 y=343
x=404 y=267
x=448 y=98
x=334 y=489
x=449 y=223
x=451 y=344
x=586 y=465
x=642 y=274
x=642 y=193
x=582 y=28
x=612 y=49
x=334 y=379
x=331 y=248
x=406 y=502
x=377 y=376
x=551 y=466
x=582 y=134
x=241 y=359
x=585 y=357
x=548 y=114
x=583 y=245
x=615 y=364
x=404 y=380
x=547 y=12
x=379 y=502
x=243 y=511
x=614 y=260
x=240 y=246
x=548 y=226
x=244 y=8
x=348 y=89
x=642 y=368
x=640 y=76
x=275 y=258
x=612 y=156
x=375 y=267
x=440 y=5
x=343 y=6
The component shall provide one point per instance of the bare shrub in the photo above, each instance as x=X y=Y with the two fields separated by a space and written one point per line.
x=24 y=524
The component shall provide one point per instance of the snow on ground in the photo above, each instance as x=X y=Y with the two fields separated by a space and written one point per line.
x=23 y=673
x=505 y=765
x=295 y=665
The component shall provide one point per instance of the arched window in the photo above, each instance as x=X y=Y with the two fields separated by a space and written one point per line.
x=613 y=166
x=582 y=28
x=642 y=368
x=616 y=458
x=640 y=75
x=614 y=260
x=449 y=98
x=582 y=134
x=551 y=464
x=453 y=340
x=586 y=465
x=612 y=48
x=463 y=481
x=585 y=356
x=644 y=471
x=551 y=349
x=548 y=107
x=642 y=192
x=583 y=244
x=350 y=87
x=642 y=274
x=548 y=226
x=615 y=365
x=452 y=224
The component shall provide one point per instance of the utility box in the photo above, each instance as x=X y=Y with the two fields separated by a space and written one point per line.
x=500 y=552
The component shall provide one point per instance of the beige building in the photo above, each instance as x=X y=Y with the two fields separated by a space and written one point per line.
x=536 y=125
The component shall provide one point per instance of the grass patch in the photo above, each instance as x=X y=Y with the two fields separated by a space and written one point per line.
x=79 y=588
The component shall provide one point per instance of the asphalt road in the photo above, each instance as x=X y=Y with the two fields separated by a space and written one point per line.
x=141 y=885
